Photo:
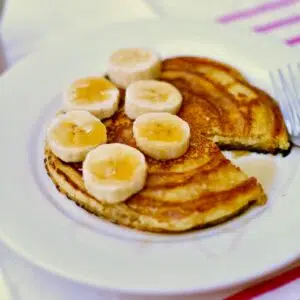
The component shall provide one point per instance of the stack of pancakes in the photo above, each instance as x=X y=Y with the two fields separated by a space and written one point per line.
x=201 y=188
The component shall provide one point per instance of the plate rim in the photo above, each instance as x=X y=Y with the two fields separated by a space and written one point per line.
x=10 y=244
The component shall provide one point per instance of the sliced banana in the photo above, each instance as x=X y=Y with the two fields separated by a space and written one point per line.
x=151 y=96
x=128 y=65
x=114 y=172
x=72 y=135
x=95 y=94
x=161 y=135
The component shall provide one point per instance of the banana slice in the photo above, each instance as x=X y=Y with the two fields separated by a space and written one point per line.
x=161 y=135
x=72 y=135
x=114 y=172
x=131 y=64
x=151 y=96
x=95 y=94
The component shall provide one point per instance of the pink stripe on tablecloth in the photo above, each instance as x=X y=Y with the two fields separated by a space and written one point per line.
x=267 y=286
x=295 y=40
x=277 y=24
x=272 y=5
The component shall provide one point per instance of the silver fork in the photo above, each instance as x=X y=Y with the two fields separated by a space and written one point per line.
x=286 y=86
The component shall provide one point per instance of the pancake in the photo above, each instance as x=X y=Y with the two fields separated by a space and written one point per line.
x=200 y=189
x=222 y=105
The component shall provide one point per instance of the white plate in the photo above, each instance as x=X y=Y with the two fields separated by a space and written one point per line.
x=51 y=232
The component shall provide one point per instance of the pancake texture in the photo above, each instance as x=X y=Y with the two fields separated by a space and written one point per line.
x=235 y=114
x=201 y=188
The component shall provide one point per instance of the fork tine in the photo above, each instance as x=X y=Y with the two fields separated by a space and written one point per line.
x=294 y=97
x=298 y=73
x=284 y=99
x=277 y=93
x=291 y=111
x=297 y=89
x=293 y=83
x=296 y=83
x=276 y=89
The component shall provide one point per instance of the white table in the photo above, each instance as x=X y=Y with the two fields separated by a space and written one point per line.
x=28 y=23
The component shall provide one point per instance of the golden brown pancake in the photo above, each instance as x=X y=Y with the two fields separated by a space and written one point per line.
x=199 y=189
x=221 y=104
x=202 y=188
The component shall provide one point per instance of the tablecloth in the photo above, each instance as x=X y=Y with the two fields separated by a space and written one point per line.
x=27 y=24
